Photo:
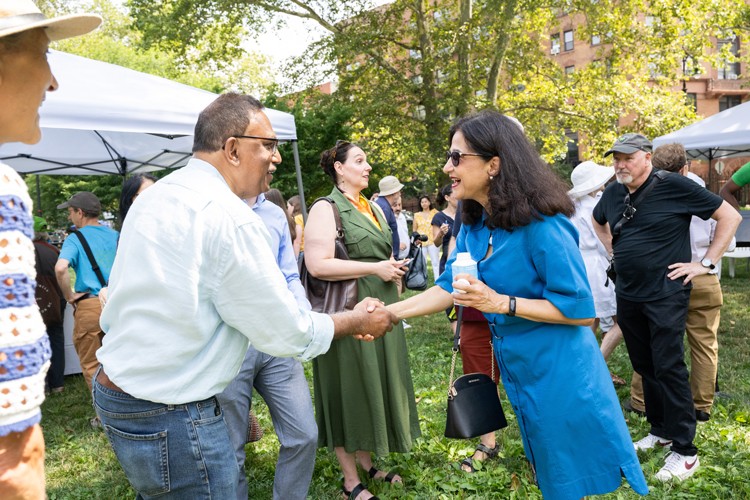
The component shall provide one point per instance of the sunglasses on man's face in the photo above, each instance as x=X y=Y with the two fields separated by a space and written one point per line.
x=455 y=156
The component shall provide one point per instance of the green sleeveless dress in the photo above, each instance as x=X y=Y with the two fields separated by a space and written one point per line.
x=364 y=395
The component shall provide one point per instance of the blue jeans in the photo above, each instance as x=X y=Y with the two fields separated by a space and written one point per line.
x=169 y=451
x=282 y=384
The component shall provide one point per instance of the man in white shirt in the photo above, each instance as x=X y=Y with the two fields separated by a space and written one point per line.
x=194 y=282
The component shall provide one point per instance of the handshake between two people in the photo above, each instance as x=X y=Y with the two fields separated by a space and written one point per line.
x=369 y=320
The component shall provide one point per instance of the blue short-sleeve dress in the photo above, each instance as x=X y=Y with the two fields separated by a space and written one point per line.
x=573 y=430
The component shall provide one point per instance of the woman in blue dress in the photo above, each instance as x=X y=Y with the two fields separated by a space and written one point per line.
x=533 y=290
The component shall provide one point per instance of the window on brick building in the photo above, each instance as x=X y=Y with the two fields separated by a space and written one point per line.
x=555 y=48
x=730 y=70
x=571 y=157
x=568 y=39
x=596 y=40
x=569 y=70
x=729 y=101
x=692 y=99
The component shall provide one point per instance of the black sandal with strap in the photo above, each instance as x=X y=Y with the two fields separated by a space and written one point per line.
x=490 y=452
x=352 y=495
x=389 y=477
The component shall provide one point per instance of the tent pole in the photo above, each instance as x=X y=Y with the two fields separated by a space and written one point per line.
x=38 y=195
x=300 y=187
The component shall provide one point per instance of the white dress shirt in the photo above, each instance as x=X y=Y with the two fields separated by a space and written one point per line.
x=403 y=235
x=194 y=282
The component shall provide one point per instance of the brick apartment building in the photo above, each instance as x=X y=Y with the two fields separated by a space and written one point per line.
x=710 y=89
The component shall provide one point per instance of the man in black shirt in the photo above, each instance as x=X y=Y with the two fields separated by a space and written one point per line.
x=644 y=220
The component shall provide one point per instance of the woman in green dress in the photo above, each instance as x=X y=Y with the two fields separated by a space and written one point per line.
x=364 y=396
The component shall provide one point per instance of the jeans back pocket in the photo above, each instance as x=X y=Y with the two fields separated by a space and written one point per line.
x=144 y=459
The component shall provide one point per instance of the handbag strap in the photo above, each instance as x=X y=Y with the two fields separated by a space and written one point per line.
x=90 y=255
x=658 y=175
x=336 y=216
x=456 y=348
x=456 y=342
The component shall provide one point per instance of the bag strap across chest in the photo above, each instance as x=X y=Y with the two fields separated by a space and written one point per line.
x=90 y=255
x=658 y=175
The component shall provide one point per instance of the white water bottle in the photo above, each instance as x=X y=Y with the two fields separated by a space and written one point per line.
x=464 y=265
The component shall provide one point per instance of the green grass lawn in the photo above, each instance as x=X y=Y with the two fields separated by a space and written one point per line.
x=81 y=465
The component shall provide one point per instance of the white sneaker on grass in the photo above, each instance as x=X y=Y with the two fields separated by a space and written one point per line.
x=678 y=467
x=651 y=441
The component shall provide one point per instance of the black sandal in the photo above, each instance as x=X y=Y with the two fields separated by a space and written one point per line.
x=390 y=477
x=352 y=495
x=490 y=452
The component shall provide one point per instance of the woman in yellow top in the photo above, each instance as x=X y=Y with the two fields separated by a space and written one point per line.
x=294 y=209
x=423 y=225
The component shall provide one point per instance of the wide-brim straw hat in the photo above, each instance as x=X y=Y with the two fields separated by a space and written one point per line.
x=588 y=177
x=17 y=16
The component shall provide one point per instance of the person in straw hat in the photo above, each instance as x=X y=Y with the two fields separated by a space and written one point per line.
x=589 y=180
x=25 y=78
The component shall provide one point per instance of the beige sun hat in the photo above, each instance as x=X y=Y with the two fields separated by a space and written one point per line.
x=389 y=185
x=588 y=177
x=23 y=15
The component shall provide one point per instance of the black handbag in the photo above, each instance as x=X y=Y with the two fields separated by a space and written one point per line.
x=330 y=296
x=473 y=403
x=416 y=272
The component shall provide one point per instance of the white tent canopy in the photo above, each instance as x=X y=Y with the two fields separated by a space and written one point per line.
x=106 y=119
x=722 y=135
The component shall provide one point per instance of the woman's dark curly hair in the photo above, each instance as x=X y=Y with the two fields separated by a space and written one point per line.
x=525 y=188
x=339 y=152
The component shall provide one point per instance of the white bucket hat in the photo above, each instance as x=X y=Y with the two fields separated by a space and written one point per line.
x=588 y=177
x=23 y=15
x=389 y=185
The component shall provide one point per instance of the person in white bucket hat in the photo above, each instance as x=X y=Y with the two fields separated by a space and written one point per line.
x=25 y=78
x=589 y=180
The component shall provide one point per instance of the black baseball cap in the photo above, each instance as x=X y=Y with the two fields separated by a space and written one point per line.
x=630 y=143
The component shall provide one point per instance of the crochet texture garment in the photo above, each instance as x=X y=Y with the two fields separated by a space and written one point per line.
x=24 y=347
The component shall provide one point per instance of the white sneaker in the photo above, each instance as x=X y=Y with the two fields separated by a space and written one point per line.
x=678 y=467
x=651 y=441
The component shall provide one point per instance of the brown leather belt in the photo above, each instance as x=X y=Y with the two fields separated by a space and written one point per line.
x=104 y=381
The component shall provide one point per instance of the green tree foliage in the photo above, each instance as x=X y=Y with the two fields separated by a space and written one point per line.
x=408 y=68
x=321 y=120
x=118 y=41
